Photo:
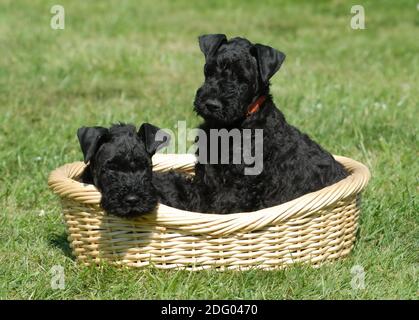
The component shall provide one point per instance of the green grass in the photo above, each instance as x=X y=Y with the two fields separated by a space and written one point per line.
x=354 y=91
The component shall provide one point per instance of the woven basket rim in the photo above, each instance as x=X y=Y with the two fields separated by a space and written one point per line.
x=62 y=182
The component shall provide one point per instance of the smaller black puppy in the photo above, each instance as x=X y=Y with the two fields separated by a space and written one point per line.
x=120 y=167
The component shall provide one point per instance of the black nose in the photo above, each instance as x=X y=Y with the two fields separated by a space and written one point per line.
x=132 y=199
x=213 y=105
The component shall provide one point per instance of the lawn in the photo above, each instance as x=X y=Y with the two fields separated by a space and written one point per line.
x=354 y=91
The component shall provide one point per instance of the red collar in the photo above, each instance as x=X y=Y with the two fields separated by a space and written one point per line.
x=255 y=106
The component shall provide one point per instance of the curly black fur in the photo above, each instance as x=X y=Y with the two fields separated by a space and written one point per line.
x=120 y=167
x=237 y=72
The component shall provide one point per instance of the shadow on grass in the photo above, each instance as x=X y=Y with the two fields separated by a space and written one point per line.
x=60 y=241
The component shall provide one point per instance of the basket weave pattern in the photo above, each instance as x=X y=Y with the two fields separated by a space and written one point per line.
x=314 y=228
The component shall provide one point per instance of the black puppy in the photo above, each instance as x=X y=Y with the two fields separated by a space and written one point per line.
x=120 y=167
x=235 y=95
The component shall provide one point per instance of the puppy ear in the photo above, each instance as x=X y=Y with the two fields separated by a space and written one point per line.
x=209 y=43
x=269 y=61
x=90 y=139
x=153 y=137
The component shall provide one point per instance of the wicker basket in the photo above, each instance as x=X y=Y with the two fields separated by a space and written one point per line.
x=314 y=228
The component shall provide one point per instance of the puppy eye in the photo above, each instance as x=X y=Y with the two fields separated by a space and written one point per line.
x=112 y=167
x=241 y=76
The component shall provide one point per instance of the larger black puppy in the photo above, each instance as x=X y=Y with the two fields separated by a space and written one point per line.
x=235 y=95
x=120 y=167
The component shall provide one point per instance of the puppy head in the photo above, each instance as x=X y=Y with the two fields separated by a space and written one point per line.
x=120 y=165
x=236 y=73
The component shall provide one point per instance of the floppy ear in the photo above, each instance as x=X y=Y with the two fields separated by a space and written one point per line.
x=90 y=139
x=153 y=137
x=209 y=43
x=269 y=61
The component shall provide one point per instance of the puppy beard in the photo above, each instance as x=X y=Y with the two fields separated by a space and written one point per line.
x=114 y=205
x=230 y=112
x=234 y=100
